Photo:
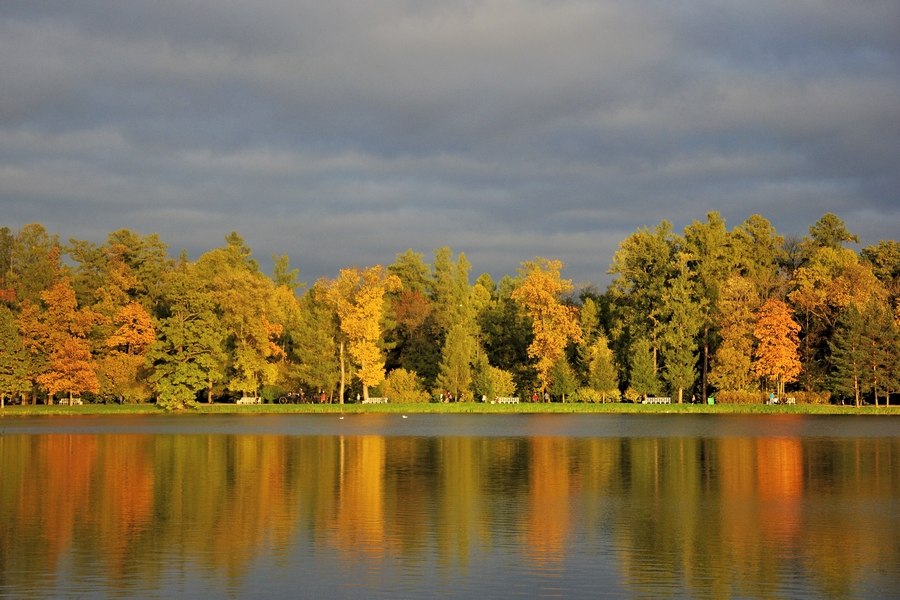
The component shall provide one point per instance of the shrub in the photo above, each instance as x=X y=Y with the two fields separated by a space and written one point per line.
x=810 y=397
x=632 y=395
x=739 y=397
x=502 y=383
x=588 y=394
x=403 y=386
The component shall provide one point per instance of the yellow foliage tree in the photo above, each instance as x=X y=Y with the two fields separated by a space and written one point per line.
x=554 y=324
x=357 y=297
x=776 y=352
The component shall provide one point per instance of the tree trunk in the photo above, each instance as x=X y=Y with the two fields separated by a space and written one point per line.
x=705 y=361
x=680 y=390
x=342 y=371
x=875 y=385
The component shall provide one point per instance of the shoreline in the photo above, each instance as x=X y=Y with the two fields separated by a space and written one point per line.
x=456 y=408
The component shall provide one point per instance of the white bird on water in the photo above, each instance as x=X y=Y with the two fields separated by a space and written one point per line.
x=404 y=416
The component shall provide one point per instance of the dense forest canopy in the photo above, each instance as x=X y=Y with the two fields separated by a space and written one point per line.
x=740 y=313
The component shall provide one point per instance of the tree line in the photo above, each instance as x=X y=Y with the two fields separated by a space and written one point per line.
x=737 y=313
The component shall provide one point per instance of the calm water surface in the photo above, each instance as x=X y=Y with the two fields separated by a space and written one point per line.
x=450 y=506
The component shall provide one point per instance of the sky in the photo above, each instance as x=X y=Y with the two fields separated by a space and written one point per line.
x=345 y=132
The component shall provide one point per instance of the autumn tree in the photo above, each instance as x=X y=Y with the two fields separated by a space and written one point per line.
x=414 y=341
x=777 y=342
x=246 y=303
x=148 y=260
x=505 y=333
x=358 y=299
x=58 y=329
x=120 y=370
x=829 y=281
x=404 y=386
x=554 y=323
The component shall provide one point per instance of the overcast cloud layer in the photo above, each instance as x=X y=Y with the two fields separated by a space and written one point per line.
x=346 y=132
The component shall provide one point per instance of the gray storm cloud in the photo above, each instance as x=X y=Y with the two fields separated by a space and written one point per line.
x=344 y=133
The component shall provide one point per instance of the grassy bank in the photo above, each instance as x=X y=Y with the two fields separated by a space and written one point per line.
x=463 y=407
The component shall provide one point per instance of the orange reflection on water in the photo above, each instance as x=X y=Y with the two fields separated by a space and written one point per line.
x=548 y=500
x=126 y=498
x=779 y=464
x=56 y=502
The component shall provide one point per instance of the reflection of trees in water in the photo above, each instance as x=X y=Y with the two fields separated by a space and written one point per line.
x=715 y=516
x=547 y=527
x=359 y=521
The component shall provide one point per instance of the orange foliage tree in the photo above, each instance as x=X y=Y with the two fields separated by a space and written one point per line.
x=60 y=332
x=129 y=345
x=776 y=352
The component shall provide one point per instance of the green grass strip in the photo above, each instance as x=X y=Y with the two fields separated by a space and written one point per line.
x=455 y=408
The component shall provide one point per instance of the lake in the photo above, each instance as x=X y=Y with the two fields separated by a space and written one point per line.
x=450 y=506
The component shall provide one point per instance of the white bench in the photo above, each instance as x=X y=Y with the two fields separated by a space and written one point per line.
x=514 y=400
x=248 y=400
x=376 y=401
x=65 y=402
x=657 y=401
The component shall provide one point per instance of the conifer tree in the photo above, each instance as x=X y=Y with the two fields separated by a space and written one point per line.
x=681 y=321
x=602 y=374
x=564 y=380
x=848 y=356
x=732 y=367
x=644 y=380
x=456 y=363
